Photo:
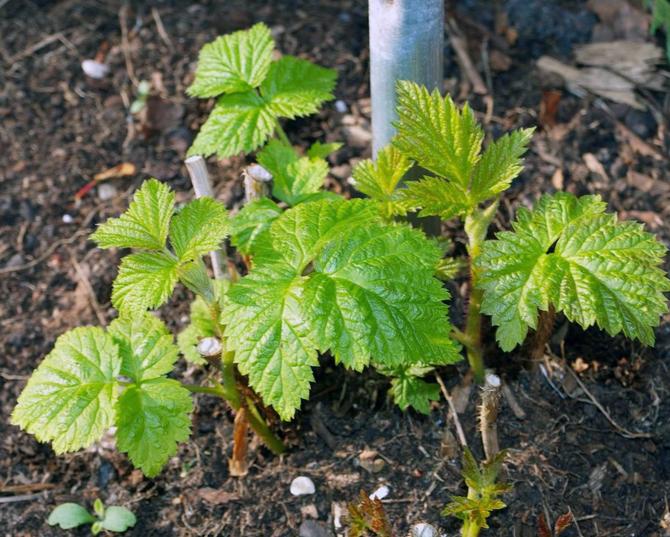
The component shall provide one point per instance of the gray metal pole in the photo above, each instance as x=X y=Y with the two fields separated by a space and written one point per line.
x=406 y=43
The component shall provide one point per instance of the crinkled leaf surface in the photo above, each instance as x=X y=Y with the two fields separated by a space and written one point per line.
x=233 y=63
x=436 y=197
x=198 y=228
x=408 y=390
x=145 y=280
x=295 y=87
x=379 y=180
x=152 y=417
x=331 y=275
x=252 y=220
x=146 y=222
x=240 y=122
x=569 y=254
x=69 y=399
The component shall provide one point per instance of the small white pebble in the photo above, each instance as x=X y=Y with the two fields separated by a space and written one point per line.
x=95 y=69
x=258 y=173
x=302 y=486
x=106 y=191
x=381 y=493
x=67 y=219
x=340 y=106
x=493 y=380
x=423 y=530
x=209 y=346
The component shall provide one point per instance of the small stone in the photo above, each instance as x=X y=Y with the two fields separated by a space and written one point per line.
x=302 y=486
x=341 y=106
x=311 y=528
x=337 y=510
x=381 y=493
x=209 y=346
x=423 y=530
x=357 y=136
x=258 y=173
x=95 y=69
x=106 y=191
x=67 y=219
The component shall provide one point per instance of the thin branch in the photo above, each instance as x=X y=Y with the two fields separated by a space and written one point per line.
x=454 y=414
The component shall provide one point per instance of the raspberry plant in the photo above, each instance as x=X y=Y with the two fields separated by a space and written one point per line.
x=566 y=255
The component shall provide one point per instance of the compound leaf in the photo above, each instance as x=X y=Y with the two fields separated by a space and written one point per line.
x=567 y=253
x=198 y=228
x=252 y=220
x=296 y=88
x=233 y=63
x=436 y=197
x=69 y=399
x=240 y=122
x=501 y=162
x=379 y=180
x=437 y=134
x=70 y=515
x=331 y=275
x=152 y=418
x=145 y=280
x=145 y=346
x=408 y=390
x=145 y=224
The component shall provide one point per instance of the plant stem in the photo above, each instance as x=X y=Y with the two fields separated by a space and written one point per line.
x=195 y=388
x=281 y=134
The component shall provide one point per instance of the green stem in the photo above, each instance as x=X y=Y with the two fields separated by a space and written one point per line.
x=470 y=528
x=281 y=134
x=195 y=388
x=261 y=428
x=473 y=332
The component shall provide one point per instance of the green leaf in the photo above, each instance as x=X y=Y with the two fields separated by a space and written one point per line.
x=294 y=178
x=332 y=276
x=500 y=164
x=198 y=228
x=70 y=515
x=437 y=134
x=233 y=63
x=296 y=88
x=379 y=180
x=319 y=150
x=99 y=508
x=152 y=417
x=145 y=346
x=252 y=220
x=201 y=324
x=567 y=253
x=240 y=122
x=145 y=224
x=118 y=519
x=436 y=197
x=145 y=280
x=69 y=399
x=408 y=390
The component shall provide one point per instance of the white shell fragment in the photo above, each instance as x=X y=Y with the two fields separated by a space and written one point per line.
x=423 y=530
x=209 y=346
x=95 y=69
x=302 y=486
x=381 y=493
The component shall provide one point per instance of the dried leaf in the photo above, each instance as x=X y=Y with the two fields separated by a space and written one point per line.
x=542 y=527
x=217 y=496
x=562 y=523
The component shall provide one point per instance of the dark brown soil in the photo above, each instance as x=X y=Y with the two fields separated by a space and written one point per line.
x=58 y=129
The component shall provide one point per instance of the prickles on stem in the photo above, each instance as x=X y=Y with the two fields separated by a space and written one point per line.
x=488 y=414
x=256 y=182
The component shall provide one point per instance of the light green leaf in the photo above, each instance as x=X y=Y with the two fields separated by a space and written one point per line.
x=379 y=180
x=295 y=87
x=233 y=63
x=118 y=519
x=319 y=150
x=501 y=162
x=568 y=254
x=145 y=224
x=70 y=515
x=408 y=390
x=252 y=220
x=69 y=399
x=145 y=280
x=332 y=276
x=436 y=197
x=198 y=228
x=437 y=134
x=145 y=346
x=240 y=122
x=152 y=418
x=294 y=178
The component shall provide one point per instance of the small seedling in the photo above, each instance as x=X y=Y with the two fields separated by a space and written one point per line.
x=483 y=493
x=72 y=515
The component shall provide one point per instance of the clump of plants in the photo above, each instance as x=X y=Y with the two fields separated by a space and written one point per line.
x=325 y=275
